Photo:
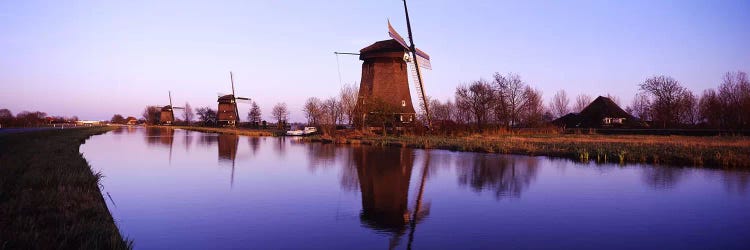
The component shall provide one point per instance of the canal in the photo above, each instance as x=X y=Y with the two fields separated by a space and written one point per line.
x=177 y=189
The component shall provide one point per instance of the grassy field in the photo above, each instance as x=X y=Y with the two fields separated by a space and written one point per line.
x=49 y=196
x=238 y=131
x=713 y=152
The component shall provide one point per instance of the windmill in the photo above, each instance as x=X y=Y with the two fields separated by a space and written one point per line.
x=166 y=117
x=386 y=68
x=228 y=114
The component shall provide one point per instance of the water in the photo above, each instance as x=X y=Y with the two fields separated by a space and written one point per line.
x=175 y=189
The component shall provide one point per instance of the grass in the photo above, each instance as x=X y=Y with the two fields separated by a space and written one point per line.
x=50 y=197
x=237 y=131
x=713 y=152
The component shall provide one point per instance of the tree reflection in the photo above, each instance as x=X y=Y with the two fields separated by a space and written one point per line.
x=321 y=155
x=507 y=176
x=254 y=143
x=736 y=182
x=207 y=139
x=662 y=178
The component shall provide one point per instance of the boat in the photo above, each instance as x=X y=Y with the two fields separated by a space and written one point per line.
x=301 y=132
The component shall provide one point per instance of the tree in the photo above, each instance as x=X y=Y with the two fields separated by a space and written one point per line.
x=151 y=114
x=118 y=119
x=280 y=113
x=582 y=101
x=6 y=118
x=332 y=111
x=207 y=116
x=477 y=99
x=30 y=119
x=313 y=110
x=254 y=115
x=665 y=93
x=187 y=114
x=511 y=95
x=442 y=111
x=640 y=107
x=559 y=104
x=348 y=98
x=687 y=110
x=710 y=109
x=734 y=94
x=532 y=111
x=614 y=99
x=381 y=113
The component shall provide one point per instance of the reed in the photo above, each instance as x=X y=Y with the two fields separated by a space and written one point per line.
x=713 y=152
x=50 y=197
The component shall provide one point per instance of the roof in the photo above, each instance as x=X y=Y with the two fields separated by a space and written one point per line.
x=390 y=45
x=591 y=116
x=226 y=98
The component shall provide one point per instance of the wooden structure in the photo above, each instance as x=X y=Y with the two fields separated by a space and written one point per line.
x=384 y=87
x=601 y=113
x=227 y=114
x=166 y=116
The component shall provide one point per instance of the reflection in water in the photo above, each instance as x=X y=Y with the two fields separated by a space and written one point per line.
x=160 y=136
x=384 y=176
x=254 y=143
x=207 y=139
x=736 y=182
x=507 y=176
x=228 y=151
x=321 y=155
x=662 y=178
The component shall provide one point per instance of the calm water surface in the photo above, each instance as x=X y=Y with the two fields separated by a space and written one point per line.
x=175 y=189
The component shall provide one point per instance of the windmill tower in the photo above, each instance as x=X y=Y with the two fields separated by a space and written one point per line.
x=386 y=67
x=228 y=114
x=166 y=117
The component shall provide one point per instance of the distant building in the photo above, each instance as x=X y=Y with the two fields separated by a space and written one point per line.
x=88 y=123
x=132 y=121
x=601 y=113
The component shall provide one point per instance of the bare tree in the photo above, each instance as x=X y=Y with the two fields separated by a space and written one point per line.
x=688 y=108
x=559 y=104
x=478 y=99
x=532 y=110
x=151 y=114
x=710 y=109
x=254 y=115
x=511 y=90
x=280 y=114
x=332 y=111
x=313 y=110
x=207 y=116
x=442 y=111
x=348 y=98
x=614 y=99
x=30 y=119
x=734 y=93
x=187 y=113
x=6 y=118
x=640 y=107
x=666 y=93
x=582 y=101
x=117 y=119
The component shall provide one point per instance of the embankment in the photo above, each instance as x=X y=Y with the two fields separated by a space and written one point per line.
x=49 y=196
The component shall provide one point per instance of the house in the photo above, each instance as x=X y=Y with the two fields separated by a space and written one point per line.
x=601 y=113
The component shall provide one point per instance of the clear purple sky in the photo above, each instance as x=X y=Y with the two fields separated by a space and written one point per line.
x=97 y=58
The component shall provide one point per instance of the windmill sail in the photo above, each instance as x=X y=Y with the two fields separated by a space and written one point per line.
x=423 y=59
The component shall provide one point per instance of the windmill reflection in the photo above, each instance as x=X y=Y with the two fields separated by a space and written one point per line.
x=228 y=151
x=160 y=136
x=506 y=175
x=384 y=175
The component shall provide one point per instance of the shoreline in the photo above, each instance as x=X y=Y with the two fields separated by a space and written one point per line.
x=725 y=152
x=50 y=196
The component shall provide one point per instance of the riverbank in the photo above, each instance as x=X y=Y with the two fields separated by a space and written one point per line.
x=49 y=196
x=711 y=152
x=237 y=131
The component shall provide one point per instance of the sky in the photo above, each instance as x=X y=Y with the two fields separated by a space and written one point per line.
x=97 y=58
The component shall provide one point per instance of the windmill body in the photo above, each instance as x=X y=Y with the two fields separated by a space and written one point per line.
x=166 y=116
x=227 y=113
x=386 y=67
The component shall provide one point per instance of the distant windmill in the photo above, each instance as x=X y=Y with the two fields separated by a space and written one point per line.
x=167 y=112
x=228 y=114
x=385 y=76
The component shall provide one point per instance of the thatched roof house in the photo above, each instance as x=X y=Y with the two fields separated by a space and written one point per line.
x=601 y=113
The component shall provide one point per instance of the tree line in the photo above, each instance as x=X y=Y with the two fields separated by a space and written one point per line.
x=31 y=119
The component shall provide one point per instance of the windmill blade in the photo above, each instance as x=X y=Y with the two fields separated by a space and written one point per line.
x=423 y=59
x=393 y=34
x=242 y=98
x=178 y=108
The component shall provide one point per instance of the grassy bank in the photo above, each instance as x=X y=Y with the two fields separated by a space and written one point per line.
x=49 y=196
x=238 y=131
x=714 y=152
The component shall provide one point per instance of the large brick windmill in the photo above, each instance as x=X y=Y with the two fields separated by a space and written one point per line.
x=385 y=77
x=228 y=114
x=166 y=116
